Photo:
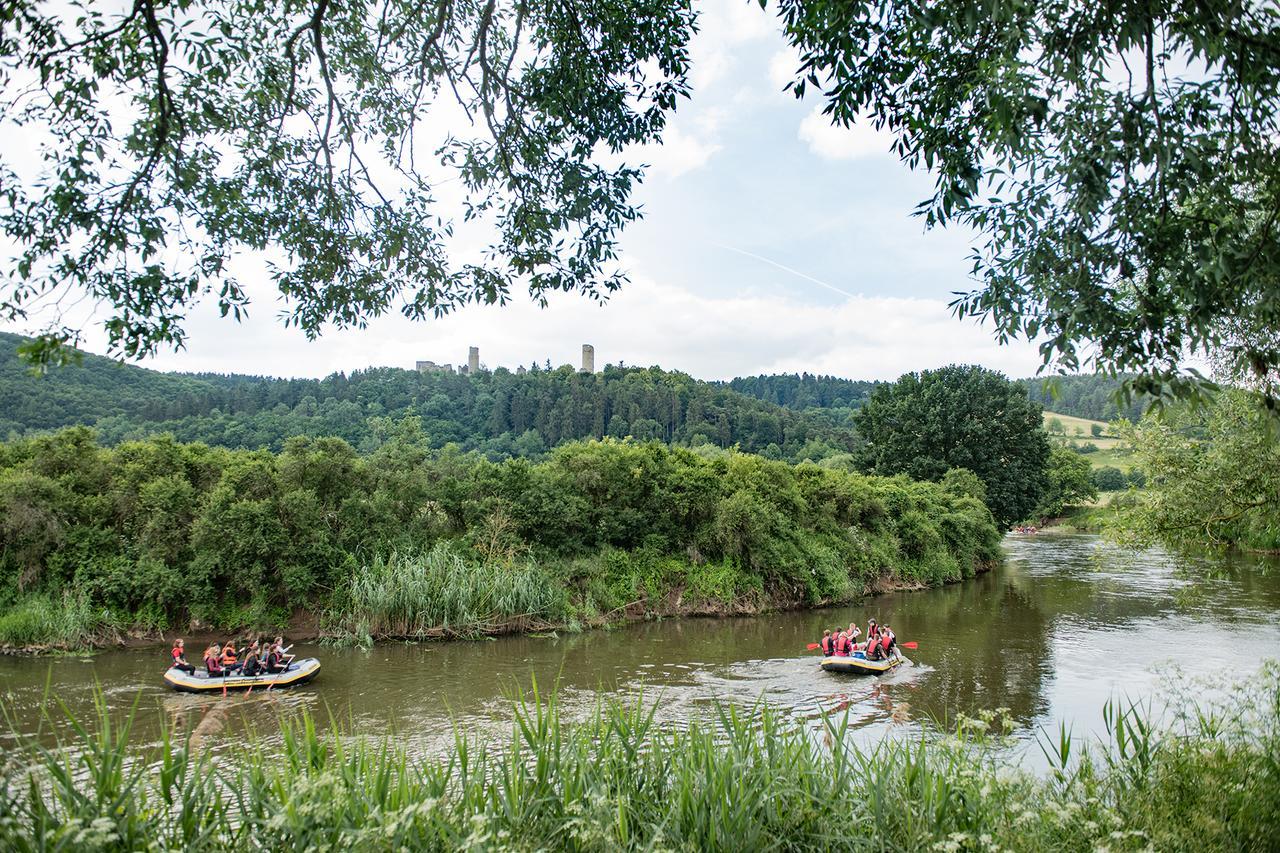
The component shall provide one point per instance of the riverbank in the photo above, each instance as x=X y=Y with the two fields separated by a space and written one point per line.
x=156 y=538
x=366 y=626
x=622 y=780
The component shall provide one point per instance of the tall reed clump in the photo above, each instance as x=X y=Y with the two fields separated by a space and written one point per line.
x=744 y=780
x=68 y=621
x=439 y=593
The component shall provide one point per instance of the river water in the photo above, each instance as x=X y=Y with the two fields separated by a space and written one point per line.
x=1066 y=624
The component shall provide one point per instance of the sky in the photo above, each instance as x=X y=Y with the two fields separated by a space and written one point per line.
x=771 y=242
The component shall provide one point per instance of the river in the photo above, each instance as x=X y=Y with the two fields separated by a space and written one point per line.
x=1066 y=623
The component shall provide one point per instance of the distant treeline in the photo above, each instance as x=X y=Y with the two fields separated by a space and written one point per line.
x=500 y=413
x=805 y=390
x=1091 y=397
x=158 y=533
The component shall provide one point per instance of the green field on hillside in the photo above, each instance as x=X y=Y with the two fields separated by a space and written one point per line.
x=1111 y=449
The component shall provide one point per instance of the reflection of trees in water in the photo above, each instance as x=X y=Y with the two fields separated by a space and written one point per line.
x=988 y=643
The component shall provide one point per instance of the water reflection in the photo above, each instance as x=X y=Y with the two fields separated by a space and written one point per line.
x=1067 y=623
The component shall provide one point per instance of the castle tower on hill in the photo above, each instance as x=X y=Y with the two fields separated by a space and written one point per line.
x=472 y=367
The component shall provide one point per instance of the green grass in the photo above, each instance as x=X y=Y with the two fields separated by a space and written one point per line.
x=1119 y=458
x=41 y=621
x=741 y=780
x=1070 y=423
x=438 y=593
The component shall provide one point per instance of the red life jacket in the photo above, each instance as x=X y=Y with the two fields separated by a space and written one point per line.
x=826 y=646
x=177 y=654
x=842 y=646
x=885 y=640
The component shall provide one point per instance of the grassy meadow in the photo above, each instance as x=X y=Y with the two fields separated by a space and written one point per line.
x=1111 y=449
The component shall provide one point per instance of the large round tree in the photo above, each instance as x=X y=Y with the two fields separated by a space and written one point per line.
x=960 y=416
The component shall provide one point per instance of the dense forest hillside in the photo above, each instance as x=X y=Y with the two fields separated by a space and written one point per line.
x=499 y=413
x=1091 y=397
x=805 y=390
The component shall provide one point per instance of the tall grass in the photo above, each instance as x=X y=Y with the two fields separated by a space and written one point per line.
x=741 y=781
x=41 y=621
x=438 y=593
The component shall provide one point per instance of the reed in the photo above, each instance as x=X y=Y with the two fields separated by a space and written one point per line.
x=745 y=779
x=45 y=622
x=438 y=593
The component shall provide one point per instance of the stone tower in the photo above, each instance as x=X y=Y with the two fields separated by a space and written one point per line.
x=588 y=358
x=473 y=361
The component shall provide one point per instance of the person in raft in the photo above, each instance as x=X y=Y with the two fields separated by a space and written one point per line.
x=213 y=661
x=889 y=642
x=252 y=664
x=229 y=658
x=827 y=644
x=179 y=654
x=276 y=658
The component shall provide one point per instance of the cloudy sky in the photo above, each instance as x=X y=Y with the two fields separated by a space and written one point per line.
x=771 y=242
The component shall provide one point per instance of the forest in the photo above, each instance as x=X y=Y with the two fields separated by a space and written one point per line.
x=1093 y=397
x=147 y=535
x=501 y=414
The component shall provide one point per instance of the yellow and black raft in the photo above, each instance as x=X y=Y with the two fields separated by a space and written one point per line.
x=299 y=672
x=859 y=665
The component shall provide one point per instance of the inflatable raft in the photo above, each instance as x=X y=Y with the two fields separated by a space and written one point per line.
x=299 y=672
x=859 y=665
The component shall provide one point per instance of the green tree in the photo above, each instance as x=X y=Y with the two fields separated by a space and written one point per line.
x=1212 y=477
x=965 y=483
x=1124 y=218
x=1095 y=430
x=1068 y=482
x=1109 y=479
x=1117 y=161
x=960 y=417
x=183 y=133
x=1056 y=427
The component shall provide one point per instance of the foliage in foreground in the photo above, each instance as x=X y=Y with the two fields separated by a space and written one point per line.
x=162 y=534
x=748 y=781
x=1212 y=477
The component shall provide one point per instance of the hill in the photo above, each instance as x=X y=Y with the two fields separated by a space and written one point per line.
x=499 y=413
x=805 y=390
x=1078 y=434
x=1090 y=397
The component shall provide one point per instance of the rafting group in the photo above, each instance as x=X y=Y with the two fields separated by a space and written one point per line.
x=881 y=643
x=265 y=663
x=220 y=661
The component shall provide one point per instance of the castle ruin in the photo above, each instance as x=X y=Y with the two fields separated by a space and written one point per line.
x=472 y=367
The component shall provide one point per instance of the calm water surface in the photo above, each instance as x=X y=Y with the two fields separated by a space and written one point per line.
x=1067 y=623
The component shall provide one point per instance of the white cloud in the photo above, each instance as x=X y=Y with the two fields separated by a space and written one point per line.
x=678 y=154
x=783 y=66
x=832 y=142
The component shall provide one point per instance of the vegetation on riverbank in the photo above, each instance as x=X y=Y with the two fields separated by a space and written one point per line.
x=412 y=541
x=619 y=780
x=1212 y=477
